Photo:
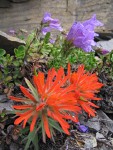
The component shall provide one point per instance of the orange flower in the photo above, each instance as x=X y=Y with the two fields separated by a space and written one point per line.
x=49 y=99
x=86 y=85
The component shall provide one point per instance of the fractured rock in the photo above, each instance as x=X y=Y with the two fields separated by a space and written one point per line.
x=8 y=42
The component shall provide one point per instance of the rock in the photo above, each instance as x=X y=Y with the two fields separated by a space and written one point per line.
x=111 y=141
x=71 y=10
x=3 y=98
x=90 y=141
x=104 y=130
x=92 y=123
x=14 y=146
x=106 y=120
x=8 y=42
x=108 y=45
x=18 y=1
x=79 y=141
x=99 y=136
x=7 y=106
x=4 y=4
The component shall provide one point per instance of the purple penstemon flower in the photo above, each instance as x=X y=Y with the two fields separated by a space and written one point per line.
x=105 y=51
x=52 y=41
x=12 y=31
x=50 y=23
x=82 y=34
x=82 y=128
x=101 y=50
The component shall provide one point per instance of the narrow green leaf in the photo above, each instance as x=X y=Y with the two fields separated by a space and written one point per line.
x=55 y=125
x=30 y=138
x=33 y=90
x=35 y=142
x=47 y=37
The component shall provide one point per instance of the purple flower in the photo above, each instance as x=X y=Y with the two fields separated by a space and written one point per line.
x=82 y=128
x=92 y=23
x=45 y=30
x=50 y=23
x=104 y=51
x=12 y=31
x=47 y=18
x=82 y=34
x=101 y=50
x=52 y=41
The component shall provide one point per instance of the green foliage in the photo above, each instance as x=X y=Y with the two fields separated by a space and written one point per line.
x=31 y=138
x=106 y=64
x=20 y=52
x=2 y=52
x=39 y=50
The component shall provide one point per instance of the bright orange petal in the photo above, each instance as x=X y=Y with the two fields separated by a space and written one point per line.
x=46 y=126
x=22 y=106
x=40 y=106
x=27 y=94
x=33 y=122
x=17 y=99
x=23 y=116
x=39 y=82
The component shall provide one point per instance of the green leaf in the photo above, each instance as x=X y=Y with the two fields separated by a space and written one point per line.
x=16 y=63
x=8 y=78
x=2 y=52
x=30 y=38
x=31 y=138
x=55 y=125
x=47 y=37
x=35 y=142
x=33 y=90
x=1 y=75
x=20 y=52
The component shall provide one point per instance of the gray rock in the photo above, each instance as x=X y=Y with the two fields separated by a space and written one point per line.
x=7 y=106
x=14 y=146
x=8 y=42
x=92 y=123
x=4 y=4
x=90 y=141
x=3 y=98
x=99 y=136
x=111 y=141
x=18 y=1
x=108 y=45
x=106 y=120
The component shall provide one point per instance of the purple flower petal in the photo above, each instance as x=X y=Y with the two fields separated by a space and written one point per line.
x=56 y=26
x=50 y=23
x=104 y=51
x=12 y=31
x=47 y=17
x=82 y=34
x=93 y=22
x=52 y=41
x=45 y=30
x=83 y=128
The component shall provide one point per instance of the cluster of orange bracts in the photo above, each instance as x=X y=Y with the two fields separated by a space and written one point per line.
x=57 y=97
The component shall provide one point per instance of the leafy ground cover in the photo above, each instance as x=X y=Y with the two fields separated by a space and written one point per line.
x=54 y=85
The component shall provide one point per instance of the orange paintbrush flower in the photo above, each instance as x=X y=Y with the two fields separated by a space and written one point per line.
x=47 y=101
x=86 y=85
